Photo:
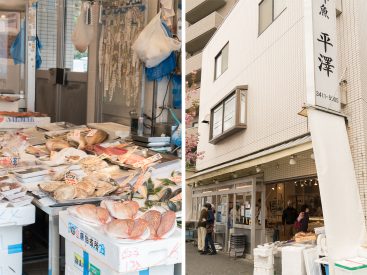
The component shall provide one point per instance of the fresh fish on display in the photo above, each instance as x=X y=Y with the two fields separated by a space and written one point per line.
x=120 y=228
x=153 y=217
x=168 y=220
x=91 y=213
x=121 y=210
x=139 y=228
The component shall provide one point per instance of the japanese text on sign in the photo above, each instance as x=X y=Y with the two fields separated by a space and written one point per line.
x=321 y=54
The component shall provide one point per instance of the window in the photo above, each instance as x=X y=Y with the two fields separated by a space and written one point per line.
x=221 y=62
x=269 y=10
x=229 y=115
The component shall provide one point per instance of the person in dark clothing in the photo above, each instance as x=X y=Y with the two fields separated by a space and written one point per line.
x=306 y=218
x=209 y=232
x=289 y=217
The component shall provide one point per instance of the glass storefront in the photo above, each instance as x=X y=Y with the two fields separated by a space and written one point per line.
x=297 y=193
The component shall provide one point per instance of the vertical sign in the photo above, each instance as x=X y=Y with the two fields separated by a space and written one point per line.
x=321 y=54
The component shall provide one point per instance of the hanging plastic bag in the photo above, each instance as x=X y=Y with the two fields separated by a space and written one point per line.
x=17 y=49
x=153 y=45
x=83 y=34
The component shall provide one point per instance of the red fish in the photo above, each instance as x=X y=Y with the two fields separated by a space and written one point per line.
x=153 y=217
x=140 y=226
x=167 y=222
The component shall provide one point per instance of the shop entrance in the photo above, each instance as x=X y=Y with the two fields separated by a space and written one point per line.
x=296 y=193
x=238 y=204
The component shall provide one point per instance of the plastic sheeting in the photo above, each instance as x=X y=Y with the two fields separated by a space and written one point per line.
x=342 y=208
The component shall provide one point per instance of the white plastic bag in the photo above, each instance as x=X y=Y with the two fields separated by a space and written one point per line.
x=83 y=34
x=153 y=45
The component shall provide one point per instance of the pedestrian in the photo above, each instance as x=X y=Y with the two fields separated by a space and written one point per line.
x=202 y=229
x=289 y=218
x=305 y=218
x=209 y=232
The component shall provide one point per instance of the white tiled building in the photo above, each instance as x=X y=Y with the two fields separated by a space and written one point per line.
x=266 y=59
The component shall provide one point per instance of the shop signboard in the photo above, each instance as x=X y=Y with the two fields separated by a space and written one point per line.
x=321 y=54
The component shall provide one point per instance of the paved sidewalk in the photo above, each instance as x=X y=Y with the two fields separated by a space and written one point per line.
x=220 y=264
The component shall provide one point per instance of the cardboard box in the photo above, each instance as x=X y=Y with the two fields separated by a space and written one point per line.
x=117 y=256
x=11 y=262
x=10 y=216
x=7 y=122
x=78 y=261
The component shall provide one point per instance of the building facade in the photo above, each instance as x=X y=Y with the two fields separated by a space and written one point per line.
x=253 y=89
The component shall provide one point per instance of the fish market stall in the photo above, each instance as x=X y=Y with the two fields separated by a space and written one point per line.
x=80 y=175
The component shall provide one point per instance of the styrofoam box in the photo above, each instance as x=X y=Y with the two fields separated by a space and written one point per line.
x=263 y=262
x=79 y=261
x=263 y=271
x=293 y=261
x=22 y=122
x=121 y=257
x=17 y=215
x=9 y=106
x=11 y=262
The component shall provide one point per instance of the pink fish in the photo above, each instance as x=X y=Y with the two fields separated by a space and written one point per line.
x=153 y=217
x=167 y=222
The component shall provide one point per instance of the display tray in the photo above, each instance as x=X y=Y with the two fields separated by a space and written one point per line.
x=59 y=203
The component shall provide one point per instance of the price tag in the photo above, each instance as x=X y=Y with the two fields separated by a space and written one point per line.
x=71 y=178
x=92 y=132
x=76 y=134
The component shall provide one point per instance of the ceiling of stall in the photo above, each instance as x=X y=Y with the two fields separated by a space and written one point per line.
x=12 y=4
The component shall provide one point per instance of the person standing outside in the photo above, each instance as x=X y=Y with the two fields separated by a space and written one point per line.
x=289 y=217
x=209 y=232
x=202 y=229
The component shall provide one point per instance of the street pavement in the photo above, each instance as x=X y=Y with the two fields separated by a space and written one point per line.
x=220 y=264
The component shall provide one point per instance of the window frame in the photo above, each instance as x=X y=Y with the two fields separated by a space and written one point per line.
x=272 y=14
x=220 y=53
x=238 y=125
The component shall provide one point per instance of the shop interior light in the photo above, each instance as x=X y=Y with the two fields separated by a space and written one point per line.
x=224 y=189
x=302 y=185
x=206 y=192
x=277 y=166
x=258 y=169
x=312 y=156
x=273 y=188
x=292 y=161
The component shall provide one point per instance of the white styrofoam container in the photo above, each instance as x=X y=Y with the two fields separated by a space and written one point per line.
x=341 y=271
x=17 y=215
x=9 y=106
x=355 y=266
x=293 y=261
x=11 y=262
x=117 y=256
x=263 y=271
x=22 y=122
x=10 y=237
x=264 y=262
x=80 y=262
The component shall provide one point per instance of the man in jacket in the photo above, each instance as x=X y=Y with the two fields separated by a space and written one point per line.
x=209 y=232
x=289 y=217
x=202 y=229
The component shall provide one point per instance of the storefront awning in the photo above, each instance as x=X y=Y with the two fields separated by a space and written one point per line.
x=266 y=155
